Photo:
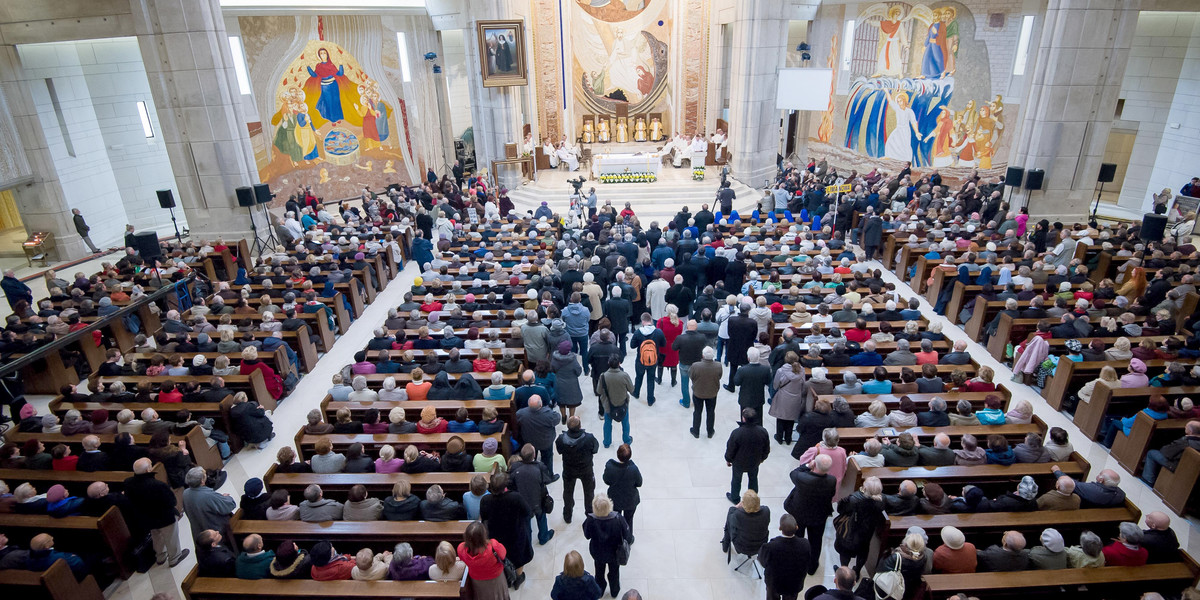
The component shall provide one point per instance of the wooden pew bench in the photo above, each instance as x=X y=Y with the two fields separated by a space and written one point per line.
x=853 y=438
x=447 y=409
x=1000 y=477
x=1145 y=435
x=349 y=536
x=211 y=588
x=372 y=442
x=197 y=445
x=379 y=485
x=107 y=535
x=253 y=384
x=985 y=529
x=55 y=583
x=1120 y=402
x=1117 y=582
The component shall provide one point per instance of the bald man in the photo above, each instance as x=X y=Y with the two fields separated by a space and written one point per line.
x=99 y=499
x=1062 y=497
x=1011 y=555
x=42 y=554
x=155 y=507
x=1159 y=539
x=536 y=425
x=1102 y=493
x=811 y=502
x=1170 y=455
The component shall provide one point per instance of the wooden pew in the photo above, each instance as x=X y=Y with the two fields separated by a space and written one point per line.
x=445 y=408
x=853 y=438
x=315 y=322
x=1071 y=376
x=55 y=583
x=1146 y=433
x=253 y=384
x=1090 y=416
x=860 y=402
x=337 y=485
x=277 y=359
x=76 y=482
x=957 y=475
x=1176 y=487
x=984 y=529
x=372 y=441
x=107 y=534
x=210 y=588
x=1117 y=582
x=197 y=444
x=381 y=535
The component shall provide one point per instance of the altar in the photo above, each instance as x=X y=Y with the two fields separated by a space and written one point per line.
x=616 y=163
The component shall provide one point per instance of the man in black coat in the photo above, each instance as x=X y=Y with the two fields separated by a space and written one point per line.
x=872 y=234
x=213 y=558
x=250 y=421
x=14 y=289
x=155 y=507
x=844 y=579
x=742 y=332
x=747 y=448
x=779 y=558
x=577 y=447
x=752 y=381
x=690 y=347
x=811 y=502
x=619 y=311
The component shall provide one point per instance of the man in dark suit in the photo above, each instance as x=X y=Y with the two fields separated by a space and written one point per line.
x=747 y=448
x=742 y=332
x=92 y=458
x=811 y=502
x=779 y=558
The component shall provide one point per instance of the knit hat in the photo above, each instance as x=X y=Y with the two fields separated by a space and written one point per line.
x=1074 y=346
x=286 y=552
x=919 y=531
x=98 y=416
x=57 y=492
x=564 y=347
x=1053 y=540
x=953 y=537
x=1137 y=366
x=1028 y=488
x=322 y=554
x=27 y=411
x=490 y=445
x=253 y=487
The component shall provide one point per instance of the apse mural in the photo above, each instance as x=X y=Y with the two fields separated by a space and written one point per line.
x=329 y=114
x=920 y=91
x=620 y=55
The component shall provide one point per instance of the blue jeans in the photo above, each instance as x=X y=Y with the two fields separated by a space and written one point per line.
x=579 y=345
x=1154 y=462
x=648 y=374
x=544 y=532
x=547 y=457
x=1108 y=433
x=608 y=421
x=721 y=349
x=684 y=371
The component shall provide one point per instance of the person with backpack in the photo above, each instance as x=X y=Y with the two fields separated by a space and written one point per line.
x=613 y=390
x=649 y=342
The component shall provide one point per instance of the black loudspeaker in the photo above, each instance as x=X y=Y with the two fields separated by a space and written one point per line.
x=166 y=199
x=146 y=244
x=1014 y=176
x=262 y=193
x=1153 y=227
x=1108 y=172
x=1033 y=179
x=245 y=196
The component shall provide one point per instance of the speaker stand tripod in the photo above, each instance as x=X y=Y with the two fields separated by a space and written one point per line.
x=264 y=243
x=1096 y=208
x=178 y=238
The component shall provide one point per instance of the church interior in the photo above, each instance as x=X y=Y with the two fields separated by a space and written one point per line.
x=191 y=134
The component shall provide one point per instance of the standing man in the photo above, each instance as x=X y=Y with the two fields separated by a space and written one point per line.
x=535 y=426
x=742 y=332
x=591 y=203
x=872 y=234
x=205 y=507
x=726 y=196
x=576 y=316
x=779 y=558
x=457 y=169
x=155 y=510
x=811 y=502
x=15 y=290
x=619 y=312
x=751 y=382
x=82 y=228
x=648 y=342
x=577 y=448
x=690 y=347
x=706 y=382
x=747 y=448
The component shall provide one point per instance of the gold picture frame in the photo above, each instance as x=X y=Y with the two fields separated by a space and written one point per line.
x=502 y=53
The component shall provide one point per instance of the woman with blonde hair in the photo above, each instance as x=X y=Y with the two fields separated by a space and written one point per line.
x=446 y=564
x=574 y=583
x=910 y=559
x=672 y=327
x=1121 y=350
x=864 y=509
x=747 y=526
x=1108 y=375
x=418 y=388
x=607 y=531
x=876 y=415
x=981 y=382
x=402 y=505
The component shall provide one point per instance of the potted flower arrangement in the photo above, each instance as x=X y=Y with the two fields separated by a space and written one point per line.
x=698 y=173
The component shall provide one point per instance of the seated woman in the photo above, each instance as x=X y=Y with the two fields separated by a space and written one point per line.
x=416 y=461
x=430 y=422
x=879 y=384
x=876 y=416
x=998 y=452
x=360 y=391
x=1156 y=409
x=991 y=413
x=418 y=388
x=963 y=414
x=1021 y=413
x=345 y=424
x=747 y=526
x=930 y=382
x=905 y=416
x=324 y=459
x=397 y=422
x=371 y=423
x=402 y=505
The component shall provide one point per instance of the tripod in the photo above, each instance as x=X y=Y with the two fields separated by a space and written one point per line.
x=266 y=243
x=1096 y=208
x=178 y=238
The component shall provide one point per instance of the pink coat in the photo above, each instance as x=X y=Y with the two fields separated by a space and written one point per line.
x=1035 y=352
x=838 y=454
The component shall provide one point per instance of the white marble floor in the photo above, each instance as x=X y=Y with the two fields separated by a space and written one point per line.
x=678 y=525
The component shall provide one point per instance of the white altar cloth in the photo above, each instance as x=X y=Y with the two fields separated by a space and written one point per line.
x=609 y=164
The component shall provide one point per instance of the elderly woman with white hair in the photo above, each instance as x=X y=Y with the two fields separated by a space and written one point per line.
x=864 y=509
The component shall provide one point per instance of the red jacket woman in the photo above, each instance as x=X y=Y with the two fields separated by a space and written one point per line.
x=250 y=364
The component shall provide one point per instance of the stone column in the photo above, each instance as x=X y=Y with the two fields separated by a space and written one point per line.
x=40 y=197
x=759 y=40
x=1069 y=109
x=190 y=69
x=492 y=108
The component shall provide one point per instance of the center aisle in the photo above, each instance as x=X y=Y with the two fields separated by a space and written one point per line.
x=679 y=522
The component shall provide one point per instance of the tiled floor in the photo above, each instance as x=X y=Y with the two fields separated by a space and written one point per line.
x=678 y=525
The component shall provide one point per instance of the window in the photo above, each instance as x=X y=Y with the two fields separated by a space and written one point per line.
x=239 y=64
x=402 y=46
x=147 y=128
x=847 y=44
x=1023 y=45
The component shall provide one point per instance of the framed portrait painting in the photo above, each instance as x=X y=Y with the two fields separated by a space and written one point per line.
x=502 y=53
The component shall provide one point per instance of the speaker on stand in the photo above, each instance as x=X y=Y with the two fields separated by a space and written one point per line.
x=1013 y=178
x=1108 y=172
x=166 y=199
x=1153 y=227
